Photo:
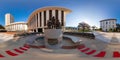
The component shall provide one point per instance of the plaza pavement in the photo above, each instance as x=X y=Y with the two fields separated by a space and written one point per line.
x=58 y=54
x=108 y=37
x=5 y=37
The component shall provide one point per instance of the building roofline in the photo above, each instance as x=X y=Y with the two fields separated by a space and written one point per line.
x=48 y=8
x=108 y=19
x=16 y=23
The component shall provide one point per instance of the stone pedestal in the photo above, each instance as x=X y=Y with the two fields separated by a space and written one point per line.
x=53 y=38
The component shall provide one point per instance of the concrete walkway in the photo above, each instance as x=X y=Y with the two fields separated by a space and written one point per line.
x=107 y=37
x=59 y=54
x=5 y=37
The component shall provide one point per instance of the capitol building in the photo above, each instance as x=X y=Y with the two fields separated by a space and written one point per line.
x=37 y=21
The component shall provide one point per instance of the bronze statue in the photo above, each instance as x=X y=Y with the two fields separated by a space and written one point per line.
x=53 y=23
x=49 y=23
x=57 y=25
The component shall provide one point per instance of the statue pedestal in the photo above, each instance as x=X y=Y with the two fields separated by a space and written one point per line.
x=53 y=38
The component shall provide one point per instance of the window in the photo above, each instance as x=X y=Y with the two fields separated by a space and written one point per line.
x=113 y=22
x=106 y=22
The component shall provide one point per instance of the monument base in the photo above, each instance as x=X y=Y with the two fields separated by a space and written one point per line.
x=53 y=38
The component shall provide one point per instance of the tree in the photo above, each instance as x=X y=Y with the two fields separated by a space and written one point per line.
x=118 y=27
x=93 y=27
x=100 y=29
x=84 y=26
x=110 y=30
x=1 y=27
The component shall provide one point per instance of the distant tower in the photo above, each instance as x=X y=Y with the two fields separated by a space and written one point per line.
x=8 y=19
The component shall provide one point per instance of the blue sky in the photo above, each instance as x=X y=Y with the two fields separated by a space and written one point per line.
x=89 y=11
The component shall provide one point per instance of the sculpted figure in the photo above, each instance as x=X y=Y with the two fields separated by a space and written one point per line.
x=53 y=23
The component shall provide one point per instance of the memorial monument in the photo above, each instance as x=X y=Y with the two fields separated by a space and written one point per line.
x=53 y=33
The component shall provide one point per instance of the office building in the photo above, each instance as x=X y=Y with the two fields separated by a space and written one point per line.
x=108 y=24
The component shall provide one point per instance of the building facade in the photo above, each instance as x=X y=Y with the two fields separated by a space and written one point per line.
x=108 y=24
x=17 y=26
x=37 y=21
x=8 y=19
x=10 y=25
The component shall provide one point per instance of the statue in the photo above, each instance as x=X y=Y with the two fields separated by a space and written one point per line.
x=57 y=24
x=53 y=23
x=53 y=33
x=49 y=23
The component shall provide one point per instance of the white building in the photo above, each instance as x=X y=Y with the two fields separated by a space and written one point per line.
x=108 y=24
x=37 y=21
x=8 y=19
x=10 y=25
x=17 y=26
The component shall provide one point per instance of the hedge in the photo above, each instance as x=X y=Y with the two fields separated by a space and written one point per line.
x=87 y=35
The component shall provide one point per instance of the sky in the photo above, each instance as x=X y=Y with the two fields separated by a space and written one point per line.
x=89 y=11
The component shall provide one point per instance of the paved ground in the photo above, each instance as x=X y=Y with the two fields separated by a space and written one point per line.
x=58 y=54
x=108 y=37
x=5 y=37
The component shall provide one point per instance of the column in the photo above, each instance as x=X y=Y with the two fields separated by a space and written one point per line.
x=22 y=27
x=59 y=15
x=43 y=29
x=42 y=19
x=64 y=19
x=47 y=15
x=34 y=22
x=38 y=20
x=12 y=27
x=53 y=13
x=15 y=27
x=18 y=27
x=36 y=30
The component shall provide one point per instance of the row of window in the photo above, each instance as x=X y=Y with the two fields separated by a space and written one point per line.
x=108 y=22
x=16 y=27
x=112 y=26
